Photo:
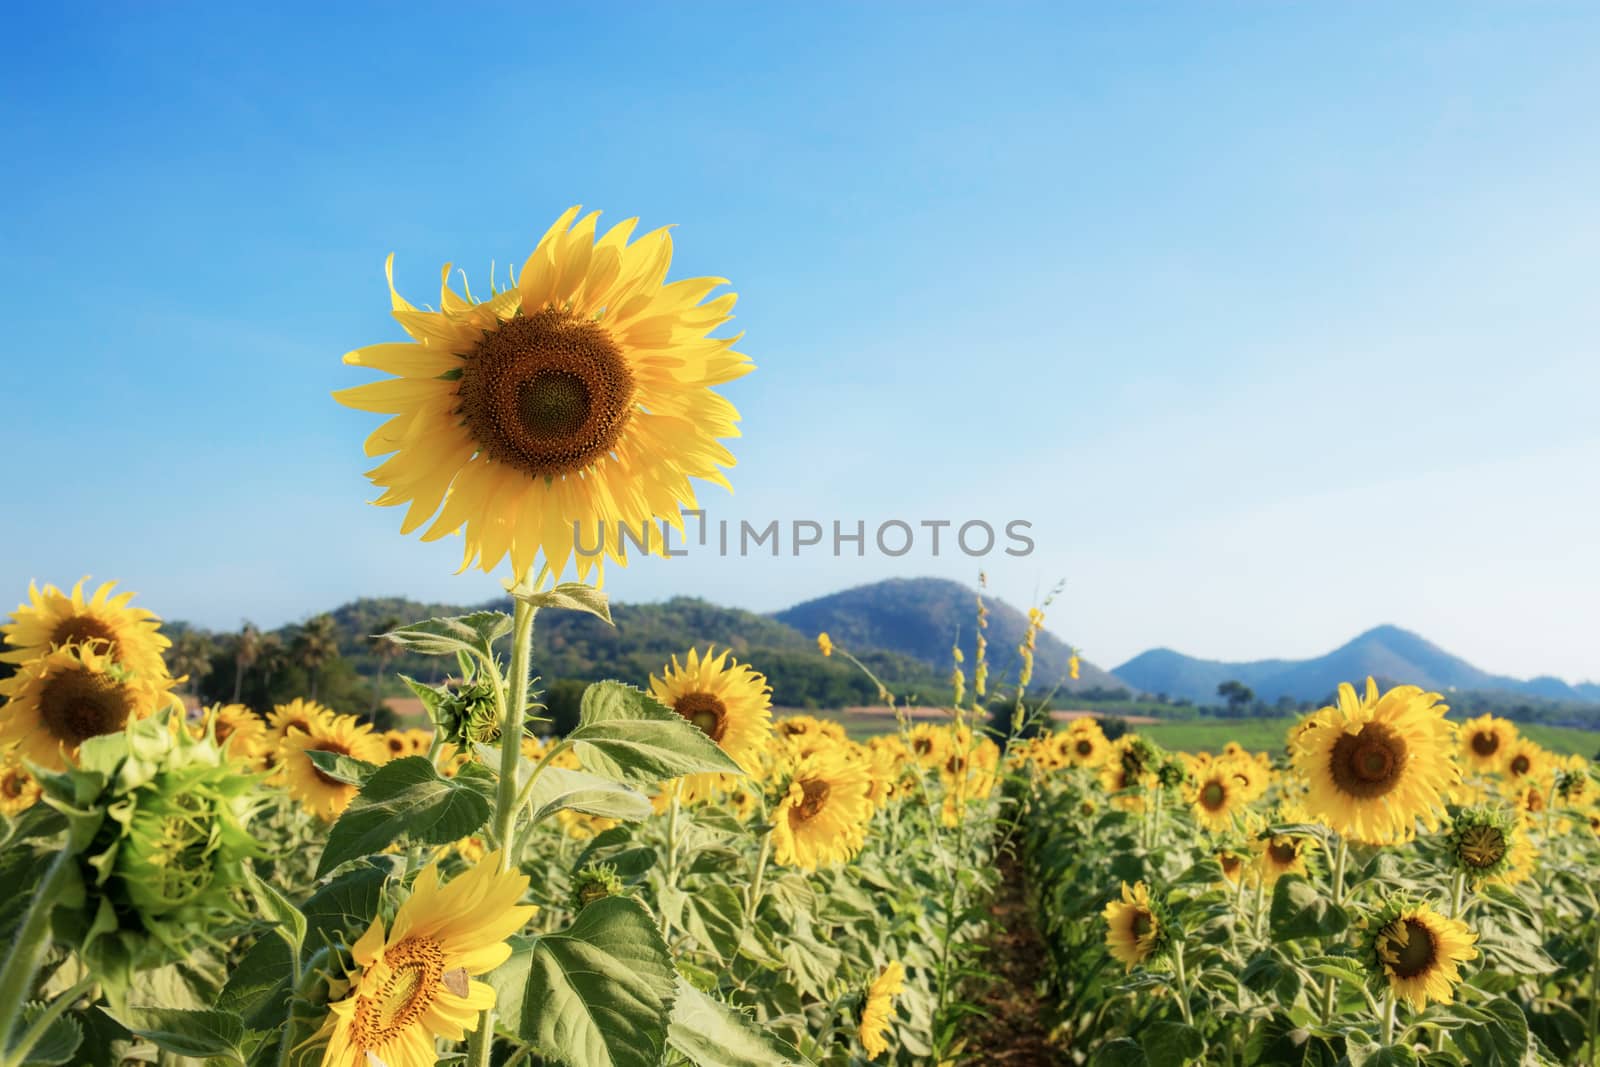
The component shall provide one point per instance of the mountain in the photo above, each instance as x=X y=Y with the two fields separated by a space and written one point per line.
x=1386 y=653
x=923 y=617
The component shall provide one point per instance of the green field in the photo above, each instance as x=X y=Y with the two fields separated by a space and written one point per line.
x=1267 y=735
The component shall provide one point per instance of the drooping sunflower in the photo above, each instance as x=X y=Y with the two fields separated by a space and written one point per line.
x=239 y=732
x=416 y=982
x=1418 y=952
x=1374 y=766
x=1281 y=854
x=1217 y=796
x=1135 y=926
x=1490 y=845
x=581 y=397
x=52 y=619
x=1231 y=864
x=342 y=735
x=879 y=1010
x=1486 y=741
x=823 y=815
x=729 y=701
x=18 y=789
x=63 y=698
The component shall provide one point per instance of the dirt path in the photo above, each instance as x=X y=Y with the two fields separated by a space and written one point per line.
x=1016 y=1032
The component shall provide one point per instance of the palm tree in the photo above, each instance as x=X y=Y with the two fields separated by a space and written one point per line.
x=387 y=652
x=191 y=655
x=314 y=646
x=246 y=654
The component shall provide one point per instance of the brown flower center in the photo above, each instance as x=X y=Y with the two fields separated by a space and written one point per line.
x=1085 y=747
x=1481 y=847
x=706 y=711
x=82 y=629
x=79 y=704
x=1485 y=742
x=1368 y=764
x=1520 y=765
x=1142 y=923
x=815 y=798
x=1230 y=862
x=1283 y=851
x=955 y=764
x=1417 y=954
x=416 y=967
x=11 y=785
x=546 y=393
x=1213 y=796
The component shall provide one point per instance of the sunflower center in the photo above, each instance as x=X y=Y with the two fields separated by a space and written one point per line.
x=338 y=749
x=1085 y=747
x=546 y=393
x=1230 y=863
x=705 y=711
x=922 y=746
x=1283 y=851
x=1481 y=847
x=1520 y=765
x=221 y=730
x=1485 y=743
x=1417 y=954
x=11 y=786
x=82 y=629
x=416 y=967
x=815 y=798
x=1143 y=922
x=397 y=745
x=956 y=764
x=1213 y=796
x=1368 y=764
x=78 y=705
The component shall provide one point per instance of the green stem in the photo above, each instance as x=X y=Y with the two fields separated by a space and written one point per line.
x=1330 y=987
x=1261 y=901
x=1458 y=893
x=1388 y=1018
x=30 y=1037
x=669 y=866
x=1594 y=1000
x=28 y=947
x=753 y=892
x=1183 y=982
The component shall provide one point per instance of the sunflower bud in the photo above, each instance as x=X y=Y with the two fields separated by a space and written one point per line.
x=595 y=881
x=1480 y=842
x=469 y=714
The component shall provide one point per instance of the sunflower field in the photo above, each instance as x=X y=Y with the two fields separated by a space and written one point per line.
x=686 y=878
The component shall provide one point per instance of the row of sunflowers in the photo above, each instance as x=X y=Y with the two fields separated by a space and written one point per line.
x=681 y=879
x=1394 y=888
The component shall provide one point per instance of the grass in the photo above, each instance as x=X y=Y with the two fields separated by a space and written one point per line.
x=1209 y=735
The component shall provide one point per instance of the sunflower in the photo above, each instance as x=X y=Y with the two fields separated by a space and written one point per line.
x=799 y=727
x=396 y=743
x=1217 y=795
x=1129 y=767
x=296 y=716
x=1417 y=950
x=1281 y=854
x=929 y=744
x=415 y=983
x=879 y=1009
x=1374 y=766
x=1526 y=764
x=239 y=732
x=1231 y=864
x=1485 y=742
x=1082 y=744
x=579 y=399
x=1135 y=930
x=420 y=740
x=63 y=698
x=342 y=735
x=822 y=817
x=729 y=701
x=52 y=619
x=18 y=790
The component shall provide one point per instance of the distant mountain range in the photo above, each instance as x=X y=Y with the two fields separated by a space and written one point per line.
x=1387 y=653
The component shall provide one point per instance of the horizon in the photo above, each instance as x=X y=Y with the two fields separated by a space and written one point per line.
x=1257 y=368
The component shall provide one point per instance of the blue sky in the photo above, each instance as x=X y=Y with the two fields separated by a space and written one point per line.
x=1276 y=321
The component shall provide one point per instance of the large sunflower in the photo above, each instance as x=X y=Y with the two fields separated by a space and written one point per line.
x=415 y=983
x=1374 y=766
x=1486 y=742
x=1135 y=930
x=1417 y=951
x=822 y=818
x=343 y=735
x=576 y=400
x=52 y=619
x=729 y=701
x=60 y=700
x=879 y=1009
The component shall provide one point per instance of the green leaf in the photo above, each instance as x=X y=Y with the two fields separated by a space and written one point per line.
x=1171 y=1044
x=570 y=596
x=342 y=768
x=1120 y=1052
x=1300 y=909
x=1494 y=1034
x=624 y=734
x=715 y=918
x=431 y=696
x=712 y=1034
x=1268 y=975
x=601 y=993
x=289 y=920
x=190 y=1033
x=475 y=633
x=406 y=797
x=58 y=1042
x=559 y=789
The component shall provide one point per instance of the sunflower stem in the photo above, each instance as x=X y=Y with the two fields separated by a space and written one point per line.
x=1331 y=986
x=753 y=892
x=669 y=868
x=1261 y=901
x=30 y=1037
x=1458 y=892
x=1183 y=980
x=28 y=947
x=1594 y=1000
x=1388 y=1019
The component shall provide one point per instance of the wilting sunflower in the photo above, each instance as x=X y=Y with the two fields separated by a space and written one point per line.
x=1374 y=766
x=729 y=701
x=1136 y=929
x=1486 y=741
x=1490 y=845
x=342 y=735
x=1217 y=795
x=822 y=818
x=581 y=396
x=297 y=715
x=60 y=700
x=1417 y=950
x=239 y=732
x=52 y=619
x=879 y=1009
x=18 y=790
x=415 y=983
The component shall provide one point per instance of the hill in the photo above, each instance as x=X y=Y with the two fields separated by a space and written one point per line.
x=1387 y=653
x=923 y=617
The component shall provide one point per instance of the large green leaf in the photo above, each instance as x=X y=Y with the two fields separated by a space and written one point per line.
x=600 y=994
x=406 y=797
x=1494 y=1034
x=190 y=1033
x=712 y=1034
x=625 y=734
x=560 y=789
x=1300 y=909
x=475 y=633
x=56 y=1045
x=571 y=596
x=1171 y=1044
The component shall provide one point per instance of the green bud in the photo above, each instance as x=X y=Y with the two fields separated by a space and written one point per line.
x=595 y=881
